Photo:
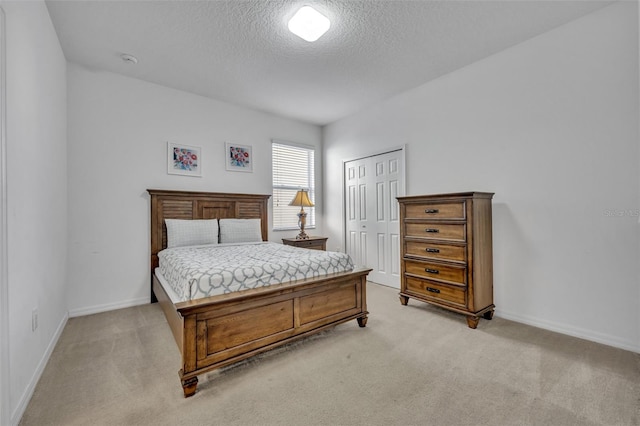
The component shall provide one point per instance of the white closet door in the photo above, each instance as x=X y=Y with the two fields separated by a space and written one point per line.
x=371 y=214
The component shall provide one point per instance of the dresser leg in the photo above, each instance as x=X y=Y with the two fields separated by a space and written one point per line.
x=189 y=386
x=404 y=300
x=362 y=321
x=472 y=321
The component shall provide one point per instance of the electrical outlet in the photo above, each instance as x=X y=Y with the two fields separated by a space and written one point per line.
x=34 y=319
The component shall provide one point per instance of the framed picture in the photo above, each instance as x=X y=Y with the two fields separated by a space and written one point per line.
x=239 y=157
x=184 y=160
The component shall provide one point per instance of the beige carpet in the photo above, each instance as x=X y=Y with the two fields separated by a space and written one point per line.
x=411 y=365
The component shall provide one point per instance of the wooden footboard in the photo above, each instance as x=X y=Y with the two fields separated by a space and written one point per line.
x=221 y=330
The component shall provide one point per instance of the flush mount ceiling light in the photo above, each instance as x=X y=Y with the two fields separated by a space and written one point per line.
x=309 y=24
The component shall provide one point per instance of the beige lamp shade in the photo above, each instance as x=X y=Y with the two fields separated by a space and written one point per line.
x=301 y=199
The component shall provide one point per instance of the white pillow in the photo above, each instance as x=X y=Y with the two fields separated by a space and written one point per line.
x=240 y=231
x=191 y=232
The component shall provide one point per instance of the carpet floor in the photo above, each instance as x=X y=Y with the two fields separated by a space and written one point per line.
x=411 y=365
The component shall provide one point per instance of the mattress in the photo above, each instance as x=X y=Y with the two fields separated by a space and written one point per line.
x=201 y=271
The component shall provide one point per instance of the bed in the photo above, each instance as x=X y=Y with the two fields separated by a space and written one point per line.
x=221 y=329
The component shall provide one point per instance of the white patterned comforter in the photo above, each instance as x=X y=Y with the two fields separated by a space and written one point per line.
x=201 y=271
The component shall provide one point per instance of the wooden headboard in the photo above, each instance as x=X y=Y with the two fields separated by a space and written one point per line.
x=200 y=205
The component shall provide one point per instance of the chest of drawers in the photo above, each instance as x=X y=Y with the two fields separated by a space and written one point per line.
x=447 y=254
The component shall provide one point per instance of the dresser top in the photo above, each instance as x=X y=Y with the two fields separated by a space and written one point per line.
x=454 y=195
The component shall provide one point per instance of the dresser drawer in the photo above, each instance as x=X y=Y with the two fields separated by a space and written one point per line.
x=436 y=211
x=436 y=251
x=437 y=231
x=437 y=271
x=432 y=290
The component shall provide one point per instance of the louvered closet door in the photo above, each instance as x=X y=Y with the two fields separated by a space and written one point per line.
x=371 y=214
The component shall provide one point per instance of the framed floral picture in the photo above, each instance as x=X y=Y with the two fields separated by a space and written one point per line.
x=238 y=157
x=184 y=160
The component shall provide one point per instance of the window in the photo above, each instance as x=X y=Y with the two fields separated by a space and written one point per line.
x=293 y=169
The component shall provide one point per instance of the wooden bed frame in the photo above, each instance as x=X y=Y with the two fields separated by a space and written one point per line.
x=216 y=331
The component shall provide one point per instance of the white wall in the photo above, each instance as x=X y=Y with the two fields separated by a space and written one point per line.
x=550 y=126
x=36 y=193
x=118 y=131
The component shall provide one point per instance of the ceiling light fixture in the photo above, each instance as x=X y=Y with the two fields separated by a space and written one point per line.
x=309 y=24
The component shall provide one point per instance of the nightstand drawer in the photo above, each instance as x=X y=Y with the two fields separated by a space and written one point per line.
x=313 y=243
x=310 y=244
x=437 y=231
x=432 y=290
x=436 y=211
x=431 y=250
x=437 y=271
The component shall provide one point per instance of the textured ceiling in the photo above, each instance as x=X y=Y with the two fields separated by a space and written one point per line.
x=241 y=51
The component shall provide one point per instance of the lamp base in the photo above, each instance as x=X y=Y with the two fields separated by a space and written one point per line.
x=302 y=236
x=302 y=220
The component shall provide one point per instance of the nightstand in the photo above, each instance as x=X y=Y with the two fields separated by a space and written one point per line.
x=314 y=243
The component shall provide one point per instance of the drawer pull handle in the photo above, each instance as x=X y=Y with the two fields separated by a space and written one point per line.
x=432 y=250
x=433 y=290
x=432 y=230
x=431 y=271
x=431 y=211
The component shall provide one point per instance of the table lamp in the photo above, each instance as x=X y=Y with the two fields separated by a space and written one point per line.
x=302 y=199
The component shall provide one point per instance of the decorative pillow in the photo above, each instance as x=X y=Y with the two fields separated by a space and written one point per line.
x=240 y=231
x=191 y=232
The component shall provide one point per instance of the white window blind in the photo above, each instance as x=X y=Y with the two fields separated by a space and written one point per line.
x=293 y=169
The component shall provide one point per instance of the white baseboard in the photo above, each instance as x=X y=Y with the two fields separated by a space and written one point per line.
x=581 y=333
x=28 y=392
x=107 y=307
